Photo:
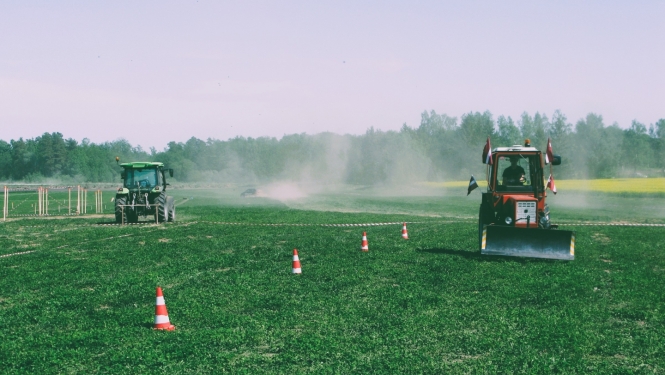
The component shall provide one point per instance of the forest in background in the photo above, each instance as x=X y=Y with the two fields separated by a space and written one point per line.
x=441 y=148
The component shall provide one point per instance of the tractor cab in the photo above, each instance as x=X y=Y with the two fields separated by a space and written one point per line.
x=516 y=192
x=145 y=176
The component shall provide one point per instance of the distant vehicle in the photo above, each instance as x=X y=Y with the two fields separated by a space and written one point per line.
x=252 y=193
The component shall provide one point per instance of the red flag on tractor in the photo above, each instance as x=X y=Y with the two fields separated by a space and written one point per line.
x=550 y=184
x=549 y=155
x=487 y=153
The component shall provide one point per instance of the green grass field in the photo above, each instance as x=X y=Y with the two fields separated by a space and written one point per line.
x=80 y=297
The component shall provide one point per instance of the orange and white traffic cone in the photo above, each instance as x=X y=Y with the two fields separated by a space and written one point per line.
x=405 y=234
x=161 y=315
x=296 y=262
x=364 y=246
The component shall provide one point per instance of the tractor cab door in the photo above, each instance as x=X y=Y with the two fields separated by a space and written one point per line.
x=160 y=177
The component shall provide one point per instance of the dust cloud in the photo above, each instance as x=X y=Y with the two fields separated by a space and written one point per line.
x=284 y=191
x=340 y=171
x=341 y=164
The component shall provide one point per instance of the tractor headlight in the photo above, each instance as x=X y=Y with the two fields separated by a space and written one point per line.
x=509 y=220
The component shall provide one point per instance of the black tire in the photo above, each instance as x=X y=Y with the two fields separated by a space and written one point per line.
x=170 y=203
x=481 y=224
x=162 y=210
x=484 y=218
x=121 y=200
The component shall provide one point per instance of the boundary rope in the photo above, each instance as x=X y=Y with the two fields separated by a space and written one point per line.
x=341 y=224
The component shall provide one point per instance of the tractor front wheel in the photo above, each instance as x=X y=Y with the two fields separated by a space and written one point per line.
x=481 y=224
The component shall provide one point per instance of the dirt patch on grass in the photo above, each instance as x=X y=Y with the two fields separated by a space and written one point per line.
x=601 y=238
x=164 y=240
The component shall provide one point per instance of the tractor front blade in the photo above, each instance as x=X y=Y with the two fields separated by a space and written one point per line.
x=531 y=243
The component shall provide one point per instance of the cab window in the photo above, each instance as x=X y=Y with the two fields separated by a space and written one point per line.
x=143 y=178
x=515 y=172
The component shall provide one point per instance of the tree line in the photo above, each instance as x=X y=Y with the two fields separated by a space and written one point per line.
x=440 y=148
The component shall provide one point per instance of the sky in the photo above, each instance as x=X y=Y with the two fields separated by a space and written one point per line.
x=152 y=72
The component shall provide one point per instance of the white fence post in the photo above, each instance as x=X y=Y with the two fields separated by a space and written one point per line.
x=4 y=205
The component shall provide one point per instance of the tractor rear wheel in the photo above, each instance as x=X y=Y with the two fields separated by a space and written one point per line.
x=120 y=213
x=162 y=210
x=170 y=203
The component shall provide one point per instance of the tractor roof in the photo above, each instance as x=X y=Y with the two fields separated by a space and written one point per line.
x=141 y=164
x=516 y=148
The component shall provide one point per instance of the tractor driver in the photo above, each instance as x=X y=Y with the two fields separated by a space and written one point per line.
x=513 y=175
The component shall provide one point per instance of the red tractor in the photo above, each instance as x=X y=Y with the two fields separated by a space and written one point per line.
x=514 y=218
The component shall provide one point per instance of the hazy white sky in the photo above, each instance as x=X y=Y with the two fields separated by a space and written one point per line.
x=159 y=71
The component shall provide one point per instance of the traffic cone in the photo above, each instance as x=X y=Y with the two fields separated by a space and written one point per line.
x=405 y=234
x=161 y=315
x=296 y=262
x=364 y=246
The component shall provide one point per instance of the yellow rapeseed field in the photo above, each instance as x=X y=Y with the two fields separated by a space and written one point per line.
x=614 y=185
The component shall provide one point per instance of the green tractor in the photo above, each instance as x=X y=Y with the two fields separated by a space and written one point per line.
x=143 y=193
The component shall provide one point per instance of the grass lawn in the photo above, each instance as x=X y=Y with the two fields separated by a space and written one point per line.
x=82 y=300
